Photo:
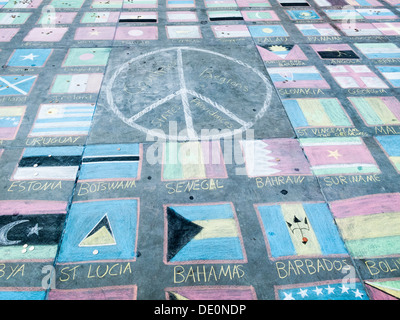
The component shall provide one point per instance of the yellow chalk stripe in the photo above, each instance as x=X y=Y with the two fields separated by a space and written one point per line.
x=216 y=228
x=191 y=158
x=370 y=226
x=11 y=111
x=314 y=112
x=382 y=111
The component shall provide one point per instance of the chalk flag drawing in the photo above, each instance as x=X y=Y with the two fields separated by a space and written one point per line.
x=6 y=34
x=297 y=77
x=46 y=34
x=360 y=76
x=293 y=3
x=52 y=18
x=388 y=289
x=184 y=93
x=101 y=230
x=111 y=162
x=16 y=85
x=267 y=15
x=326 y=290
x=299 y=229
x=230 y=31
x=315 y=112
x=171 y=4
x=211 y=293
x=182 y=16
x=29 y=57
x=83 y=57
x=128 y=292
x=387 y=50
x=322 y=29
x=23 y=4
x=7 y=18
x=18 y=294
x=388 y=28
x=281 y=52
x=77 y=83
x=10 y=121
x=334 y=51
x=100 y=17
x=391 y=147
x=202 y=233
x=253 y=3
x=342 y=3
x=48 y=163
x=30 y=230
x=358 y=29
x=137 y=33
x=303 y=15
x=369 y=225
x=104 y=4
x=267 y=31
x=377 y=111
x=130 y=4
x=94 y=33
x=63 y=120
x=274 y=157
x=392 y=74
x=339 y=156
x=193 y=160
x=183 y=32
x=70 y=4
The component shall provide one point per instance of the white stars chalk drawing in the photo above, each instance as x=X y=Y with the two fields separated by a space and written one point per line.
x=185 y=93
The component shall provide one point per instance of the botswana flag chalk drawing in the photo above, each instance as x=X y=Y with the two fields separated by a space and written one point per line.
x=111 y=162
x=52 y=163
x=202 y=233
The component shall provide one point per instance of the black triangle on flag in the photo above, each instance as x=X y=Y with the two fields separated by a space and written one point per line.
x=180 y=232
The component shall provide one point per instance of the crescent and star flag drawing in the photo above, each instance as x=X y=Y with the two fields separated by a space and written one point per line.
x=30 y=229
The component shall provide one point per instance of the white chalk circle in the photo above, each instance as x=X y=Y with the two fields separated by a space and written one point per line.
x=135 y=33
x=113 y=90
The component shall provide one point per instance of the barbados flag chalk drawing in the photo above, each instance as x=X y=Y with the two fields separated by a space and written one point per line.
x=299 y=229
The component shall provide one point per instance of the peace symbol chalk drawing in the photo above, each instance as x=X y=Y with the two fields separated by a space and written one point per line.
x=184 y=93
